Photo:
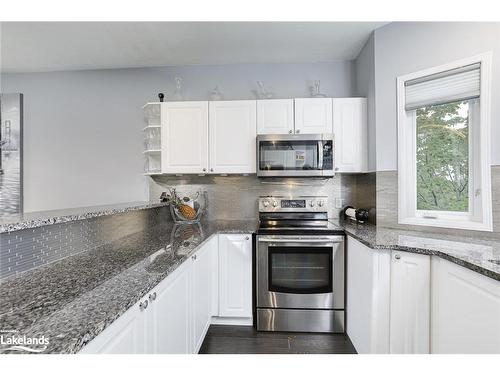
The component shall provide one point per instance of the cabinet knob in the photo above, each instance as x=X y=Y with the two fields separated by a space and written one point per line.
x=336 y=168
x=211 y=169
x=143 y=305
x=397 y=256
x=297 y=131
x=204 y=169
x=289 y=132
x=193 y=257
x=152 y=296
x=247 y=238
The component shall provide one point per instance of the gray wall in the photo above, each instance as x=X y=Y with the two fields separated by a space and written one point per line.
x=365 y=87
x=402 y=48
x=83 y=142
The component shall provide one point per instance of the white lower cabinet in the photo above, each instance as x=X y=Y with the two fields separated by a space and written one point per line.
x=235 y=275
x=126 y=335
x=201 y=294
x=168 y=316
x=180 y=308
x=410 y=303
x=465 y=310
x=368 y=297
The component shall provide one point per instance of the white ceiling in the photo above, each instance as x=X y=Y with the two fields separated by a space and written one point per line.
x=54 y=46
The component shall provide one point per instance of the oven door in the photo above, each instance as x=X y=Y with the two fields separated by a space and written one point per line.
x=293 y=155
x=300 y=272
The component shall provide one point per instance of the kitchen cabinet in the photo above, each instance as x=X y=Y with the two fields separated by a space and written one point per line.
x=368 y=297
x=313 y=115
x=235 y=275
x=232 y=136
x=168 y=316
x=201 y=293
x=275 y=116
x=126 y=335
x=410 y=303
x=184 y=137
x=465 y=310
x=351 y=135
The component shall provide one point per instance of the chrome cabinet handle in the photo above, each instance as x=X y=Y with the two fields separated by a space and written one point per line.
x=193 y=257
x=290 y=132
x=152 y=296
x=397 y=256
x=247 y=238
x=143 y=305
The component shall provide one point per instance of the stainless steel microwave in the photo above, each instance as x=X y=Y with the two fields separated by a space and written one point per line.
x=295 y=155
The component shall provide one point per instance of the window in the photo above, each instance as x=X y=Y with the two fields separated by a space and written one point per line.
x=444 y=146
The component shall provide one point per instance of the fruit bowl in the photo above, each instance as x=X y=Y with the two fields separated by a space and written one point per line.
x=186 y=207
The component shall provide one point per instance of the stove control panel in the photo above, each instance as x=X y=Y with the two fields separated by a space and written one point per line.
x=293 y=204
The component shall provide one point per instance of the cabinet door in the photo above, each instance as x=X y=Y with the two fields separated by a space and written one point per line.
x=275 y=116
x=169 y=314
x=126 y=335
x=184 y=137
x=465 y=310
x=201 y=294
x=313 y=115
x=233 y=131
x=410 y=303
x=235 y=275
x=350 y=130
x=368 y=297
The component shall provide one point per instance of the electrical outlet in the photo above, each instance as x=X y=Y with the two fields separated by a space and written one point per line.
x=338 y=203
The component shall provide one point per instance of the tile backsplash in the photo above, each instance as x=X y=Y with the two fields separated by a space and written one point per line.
x=235 y=197
x=387 y=206
x=30 y=248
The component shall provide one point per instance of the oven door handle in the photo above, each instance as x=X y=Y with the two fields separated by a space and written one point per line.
x=302 y=240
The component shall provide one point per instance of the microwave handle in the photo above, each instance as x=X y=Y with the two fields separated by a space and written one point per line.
x=320 y=155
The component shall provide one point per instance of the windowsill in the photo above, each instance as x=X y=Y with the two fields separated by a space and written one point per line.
x=440 y=223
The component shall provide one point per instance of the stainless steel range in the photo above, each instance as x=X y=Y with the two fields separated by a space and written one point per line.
x=300 y=266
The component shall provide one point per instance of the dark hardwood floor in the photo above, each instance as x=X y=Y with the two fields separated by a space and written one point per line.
x=222 y=339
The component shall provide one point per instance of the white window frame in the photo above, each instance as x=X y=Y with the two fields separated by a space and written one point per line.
x=479 y=216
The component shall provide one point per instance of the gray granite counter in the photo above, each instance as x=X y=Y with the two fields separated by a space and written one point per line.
x=29 y=220
x=482 y=256
x=72 y=300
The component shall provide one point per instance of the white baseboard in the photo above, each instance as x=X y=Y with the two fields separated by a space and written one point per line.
x=232 y=321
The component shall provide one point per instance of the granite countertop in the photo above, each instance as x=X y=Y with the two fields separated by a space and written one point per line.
x=74 y=299
x=482 y=256
x=37 y=219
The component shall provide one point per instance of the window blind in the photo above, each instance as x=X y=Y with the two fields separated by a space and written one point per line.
x=444 y=87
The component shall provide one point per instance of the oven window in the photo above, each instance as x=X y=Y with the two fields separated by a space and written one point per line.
x=288 y=155
x=300 y=270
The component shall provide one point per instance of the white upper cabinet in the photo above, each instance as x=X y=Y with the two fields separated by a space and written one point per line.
x=235 y=275
x=232 y=136
x=465 y=310
x=350 y=131
x=410 y=303
x=184 y=137
x=275 y=116
x=313 y=115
